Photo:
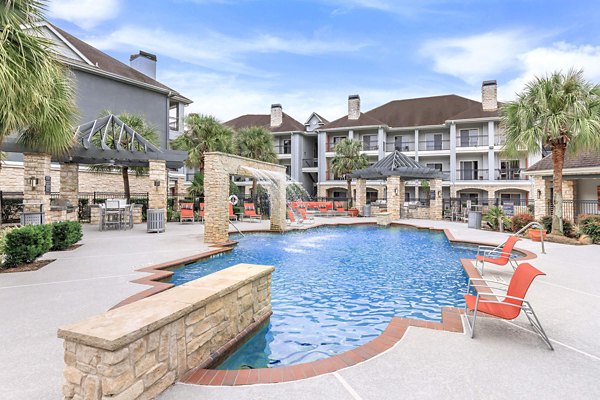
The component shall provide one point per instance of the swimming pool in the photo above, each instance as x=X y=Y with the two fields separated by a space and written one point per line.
x=336 y=288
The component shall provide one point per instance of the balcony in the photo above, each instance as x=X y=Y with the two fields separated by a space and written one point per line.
x=174 y=123
x=512 y=174
x=330 y=176
x=434 y=145
x=402 y=146
x=370 y=146
x=445 y=175
x=472 y=174
x=310 y=162
x=283 y=149
x=472 y=141
x=499 y=140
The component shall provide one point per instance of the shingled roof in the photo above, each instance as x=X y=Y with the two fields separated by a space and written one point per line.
x=397 y=164
x=584 y=159
x=344 y=122
x=264 y=120
x=106 y=63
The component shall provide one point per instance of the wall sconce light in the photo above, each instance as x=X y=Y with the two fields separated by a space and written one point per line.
x=539 y=194
x=157 y=183
x=33 y=181
x=396 y=192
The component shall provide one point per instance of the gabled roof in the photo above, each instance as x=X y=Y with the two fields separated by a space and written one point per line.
x=397 y=164
x=344 y=122
x=264 y=120
x=105 y=63
x=587 y=159
x=318 y=117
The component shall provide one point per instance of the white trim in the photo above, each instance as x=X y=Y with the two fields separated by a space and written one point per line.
x=66 y=42
x=466 y=120
x=566 y=171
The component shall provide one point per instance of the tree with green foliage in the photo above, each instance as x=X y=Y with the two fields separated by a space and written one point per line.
x=37 y=92
x=204 y=134
x=196 y=188
x=348 y=158
x=138 y=123
x=255 y=142
x=559 y=112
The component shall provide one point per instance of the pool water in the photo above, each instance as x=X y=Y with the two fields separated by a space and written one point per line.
x=336 y=288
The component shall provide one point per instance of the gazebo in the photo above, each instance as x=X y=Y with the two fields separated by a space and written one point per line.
x=396 y=169
x=104 y=141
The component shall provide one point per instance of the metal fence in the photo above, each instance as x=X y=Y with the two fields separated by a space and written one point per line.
x=572 y=209
x=11 y=207
x=510 y=206
x=87 y=199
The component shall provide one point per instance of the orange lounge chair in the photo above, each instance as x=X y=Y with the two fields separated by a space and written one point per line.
x=292 y=218
x=186 y=212
x=250 y=212
x=496 y=255
x=232 y=215
x=201 y=212
x=512 y=302
x=305 y=219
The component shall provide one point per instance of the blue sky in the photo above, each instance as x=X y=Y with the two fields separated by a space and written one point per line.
x=234 y=57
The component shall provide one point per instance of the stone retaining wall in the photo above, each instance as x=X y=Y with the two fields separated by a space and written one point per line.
x=139 y=350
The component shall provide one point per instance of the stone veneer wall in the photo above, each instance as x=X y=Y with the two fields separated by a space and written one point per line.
x=139 y=350
x=395 y=196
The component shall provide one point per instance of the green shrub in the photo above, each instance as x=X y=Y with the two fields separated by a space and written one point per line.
x=495 y=216
x=3 y=233
x=590 y=225
x=65 y=234
x=568 y=228
x=520 y=220
x=25 y=244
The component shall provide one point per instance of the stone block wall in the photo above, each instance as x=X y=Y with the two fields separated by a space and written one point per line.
x=36 y=165
x=395 y=196
x=157 y=195
x=139 y=350
x=361 y=194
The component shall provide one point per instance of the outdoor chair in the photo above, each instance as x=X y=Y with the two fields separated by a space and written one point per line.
x=507 y=301
x=232 y=215
x=305 y=219
x=186 y=212
x=112 y=215
x=250 y=212
x=292 y=218
x=201 y=212
x=499 y=255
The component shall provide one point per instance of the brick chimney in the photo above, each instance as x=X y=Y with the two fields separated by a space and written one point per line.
x=144 y=62
x=489 y=95
x=276 y=115
x=353 y=106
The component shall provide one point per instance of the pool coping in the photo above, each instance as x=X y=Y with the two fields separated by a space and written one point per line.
x=393 y=333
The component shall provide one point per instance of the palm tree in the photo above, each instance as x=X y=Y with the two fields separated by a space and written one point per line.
x=37 y=92
x=204 y=133
x=196 y=189
x=560 y=112
x=257 y=143
x=139 y=124
x=347 y=159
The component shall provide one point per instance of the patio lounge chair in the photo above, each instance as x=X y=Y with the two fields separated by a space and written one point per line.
x=201 y=212
x=305 y=219
x=292 y=218
x=232 y=215
x=513 y=301
x=250 y=212
x=497 y=255
x=187 y=212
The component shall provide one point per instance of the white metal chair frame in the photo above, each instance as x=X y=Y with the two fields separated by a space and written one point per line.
x=493 y=252
x=494 y=298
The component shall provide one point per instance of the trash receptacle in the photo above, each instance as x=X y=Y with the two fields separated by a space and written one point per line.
x=155 y=220
x=475 y=219
x=367 y=210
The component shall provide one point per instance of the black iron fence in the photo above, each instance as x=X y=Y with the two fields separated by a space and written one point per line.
x=572 y=209
x=11 y=205
x=510 y=206
x=86 y=200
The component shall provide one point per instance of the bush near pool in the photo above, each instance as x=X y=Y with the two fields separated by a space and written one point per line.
x=590 y=225
x=65 y=234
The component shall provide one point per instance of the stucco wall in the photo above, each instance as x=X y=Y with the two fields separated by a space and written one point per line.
x=587 y=189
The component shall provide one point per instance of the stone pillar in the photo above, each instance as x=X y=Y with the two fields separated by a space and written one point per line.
x=395 y=196
x=216 y=193
x=157 y=195
x=436 y=206
x=491 y=194
x=36 y=169
x=69 y=183
x=361 y=195
x=277 y=196
x=568 y=190
x=541 y=196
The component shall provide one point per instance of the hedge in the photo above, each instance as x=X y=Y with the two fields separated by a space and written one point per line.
x=519 y=221
x=568 y=228
x=24 y=245
x=590 y=225
x=65 y=234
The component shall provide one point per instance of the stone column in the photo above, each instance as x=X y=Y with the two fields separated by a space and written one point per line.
x=395 y=196
x=361 y=194
x=436 y=206
x=157 y=195
x=69 y=183
x=277 y=197
x=216 y=193
x=541 y=195
x=36 y=169
x=491 y=194
x=568 y=190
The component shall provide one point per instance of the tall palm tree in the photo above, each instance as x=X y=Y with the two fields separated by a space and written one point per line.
x=257 y=143
x=560 y=112
x=204 y=133
x=347 y=159
x=37 y=92
x=143 y=128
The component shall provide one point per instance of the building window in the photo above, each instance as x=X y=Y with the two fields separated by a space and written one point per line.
x=174 y=116
x=369 y=142
x=510 y=197
x=468 y=171
x=372 y=196
x=468 y=137
x=437 y=166
x=509 y=169
x=288 y=170
x=287 y=146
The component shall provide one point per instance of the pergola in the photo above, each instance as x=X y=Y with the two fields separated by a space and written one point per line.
x=105 y=141
x=396 y=169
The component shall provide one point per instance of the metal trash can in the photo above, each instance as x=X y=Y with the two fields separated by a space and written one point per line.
x=367 y=210
x=155 y=220
x=475 y=219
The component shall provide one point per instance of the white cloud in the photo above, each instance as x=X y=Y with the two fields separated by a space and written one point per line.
x=476 y=57
x=84 y=13
x=218 y=51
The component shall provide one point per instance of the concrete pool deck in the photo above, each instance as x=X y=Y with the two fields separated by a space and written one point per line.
x=423 y=364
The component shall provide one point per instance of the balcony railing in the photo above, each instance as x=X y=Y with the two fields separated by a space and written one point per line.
x=310 y=162
x=445 y=175
x=330 y=176
x=283 y=149
x=331 y=146
x=402 y=146
x=434 y=145
x=370 y=146
x=499 y=140
x=512 y=174
x=472 y=174
x=174 y=123
x=472 y=141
